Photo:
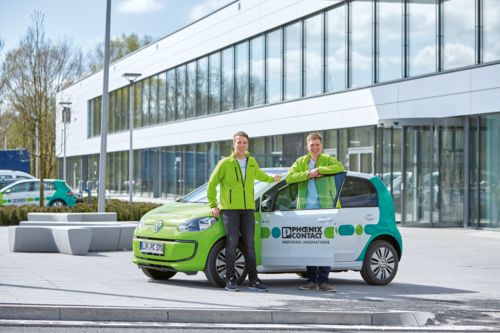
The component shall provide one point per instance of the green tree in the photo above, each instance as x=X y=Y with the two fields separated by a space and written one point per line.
x=118 y=48
x=34 y=72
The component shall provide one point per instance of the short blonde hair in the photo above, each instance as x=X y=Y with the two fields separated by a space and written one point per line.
x=314 y=136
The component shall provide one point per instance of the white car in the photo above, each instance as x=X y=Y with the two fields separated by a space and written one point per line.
x=8 y=177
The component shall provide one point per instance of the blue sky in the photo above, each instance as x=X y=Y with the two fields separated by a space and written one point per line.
x=83 y=21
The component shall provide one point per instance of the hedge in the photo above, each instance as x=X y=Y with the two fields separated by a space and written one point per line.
x=12 y=215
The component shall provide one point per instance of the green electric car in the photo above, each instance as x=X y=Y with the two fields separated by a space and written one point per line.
x=356 y=232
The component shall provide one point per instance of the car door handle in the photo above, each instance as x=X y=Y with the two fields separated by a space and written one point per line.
x=324 y=219
x=369 y=217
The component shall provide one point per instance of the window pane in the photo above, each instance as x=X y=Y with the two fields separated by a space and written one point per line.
x=153 y=99
x=111 y=111
x=273 y=69
x=137 y=104
x=191 y=90
x=241 y=75
x=181 y=91
x=422 y=28
x=162 y=97
x=202 y=86
x=257 y=71
x=292 y=58
x=491 y=30
x=313 y=58
x=171 y=100
x=361 y=43
x=214 y=81
x=390 y=40
x=145 y=103
x=228 y=79
x=458 y=31
x=336 y=49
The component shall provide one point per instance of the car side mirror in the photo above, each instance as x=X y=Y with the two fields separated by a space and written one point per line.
x=267 y=205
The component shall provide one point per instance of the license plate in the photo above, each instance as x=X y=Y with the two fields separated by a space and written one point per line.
x=151 y=248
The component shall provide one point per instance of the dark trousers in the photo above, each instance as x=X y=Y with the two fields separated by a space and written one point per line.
x=236 y=222
x=318 y=274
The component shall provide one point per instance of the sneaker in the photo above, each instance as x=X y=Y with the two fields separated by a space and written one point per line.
x=231 y=285
x=257 y=286
x=310 y=285
x=325 y=286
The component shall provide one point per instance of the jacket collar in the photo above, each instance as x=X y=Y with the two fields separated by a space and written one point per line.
x=233 y=156
x=308 y=157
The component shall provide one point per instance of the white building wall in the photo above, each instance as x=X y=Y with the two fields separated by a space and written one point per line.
x=464 y=92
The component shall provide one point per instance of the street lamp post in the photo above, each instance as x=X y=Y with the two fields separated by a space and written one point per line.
x=66 y=118
x=131 y=77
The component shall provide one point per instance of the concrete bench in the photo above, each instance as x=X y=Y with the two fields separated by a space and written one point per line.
x=73 y=217
x=105 y=236
x=63 y=239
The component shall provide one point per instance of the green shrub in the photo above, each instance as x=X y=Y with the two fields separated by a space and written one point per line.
x=12 y=215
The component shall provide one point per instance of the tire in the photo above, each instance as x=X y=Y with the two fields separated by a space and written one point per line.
x=380 y=264
x=215 y=269
x=57 y=203
x=156 y=274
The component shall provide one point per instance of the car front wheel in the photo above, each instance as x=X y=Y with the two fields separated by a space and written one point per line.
x=380 y=264
x=215 y=269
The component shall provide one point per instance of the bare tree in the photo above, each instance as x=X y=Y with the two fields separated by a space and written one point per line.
x=119 y=47
x=36 y=70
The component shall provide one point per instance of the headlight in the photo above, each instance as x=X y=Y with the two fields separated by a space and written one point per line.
x=198 y=224
x=140 y=224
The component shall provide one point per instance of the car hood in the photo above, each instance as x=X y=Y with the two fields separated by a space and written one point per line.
x=175 y=213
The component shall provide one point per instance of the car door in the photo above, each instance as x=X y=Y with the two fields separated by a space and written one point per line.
x=18 y=194
x=359 y=208
x=297 y=237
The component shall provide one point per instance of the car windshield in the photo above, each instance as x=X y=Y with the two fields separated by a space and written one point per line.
x=200 y=194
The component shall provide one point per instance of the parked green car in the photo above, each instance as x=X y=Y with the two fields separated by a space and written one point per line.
x=357 y=232
x=27 y=192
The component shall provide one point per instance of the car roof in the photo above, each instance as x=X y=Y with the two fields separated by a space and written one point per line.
x=15 y=172
x=283 y=170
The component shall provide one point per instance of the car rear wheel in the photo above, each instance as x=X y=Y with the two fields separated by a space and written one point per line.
x=380 y=264
x=57 y=203
x=156 y=274
x=215 y=269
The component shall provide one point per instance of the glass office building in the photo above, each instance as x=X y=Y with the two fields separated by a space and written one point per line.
x=407 y=90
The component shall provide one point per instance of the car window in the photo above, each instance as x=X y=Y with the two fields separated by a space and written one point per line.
x=23 y=187
x=47 y=186
x=358 y=192
x=288 y=198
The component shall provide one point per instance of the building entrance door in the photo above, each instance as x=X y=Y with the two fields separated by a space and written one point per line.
x=361 y=159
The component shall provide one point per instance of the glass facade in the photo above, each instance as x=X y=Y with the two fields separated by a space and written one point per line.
x=350 y=45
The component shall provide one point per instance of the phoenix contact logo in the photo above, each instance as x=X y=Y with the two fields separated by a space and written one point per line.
x=301 y=232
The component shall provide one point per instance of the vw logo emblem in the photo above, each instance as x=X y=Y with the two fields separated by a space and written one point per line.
x=157 y=227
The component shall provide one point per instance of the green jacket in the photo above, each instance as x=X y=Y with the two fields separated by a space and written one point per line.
x=325 y=186
x=234 y=192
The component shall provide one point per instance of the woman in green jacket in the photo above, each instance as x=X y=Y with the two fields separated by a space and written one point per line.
x=236 y=175
x=313 y=194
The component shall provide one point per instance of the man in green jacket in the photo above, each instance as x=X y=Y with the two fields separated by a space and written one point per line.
x=236 y=175
x=313 y=193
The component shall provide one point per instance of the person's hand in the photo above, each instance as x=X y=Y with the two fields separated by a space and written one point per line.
x=277 y=178
x=215 y=212
x=314 y=173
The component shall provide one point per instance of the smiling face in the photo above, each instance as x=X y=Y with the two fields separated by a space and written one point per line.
x=315 y=147
x=240 y=145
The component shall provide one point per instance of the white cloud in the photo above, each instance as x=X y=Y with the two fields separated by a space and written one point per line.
x=205 y=8
x=139 y=6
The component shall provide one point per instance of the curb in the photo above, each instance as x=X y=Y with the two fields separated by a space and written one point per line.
x=219 y=316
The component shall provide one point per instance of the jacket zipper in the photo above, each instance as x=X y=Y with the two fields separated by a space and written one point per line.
x=242 y=182
x=230 y=196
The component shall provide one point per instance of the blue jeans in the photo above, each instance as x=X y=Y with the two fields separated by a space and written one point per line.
x=236 y=222
x=318 y=274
